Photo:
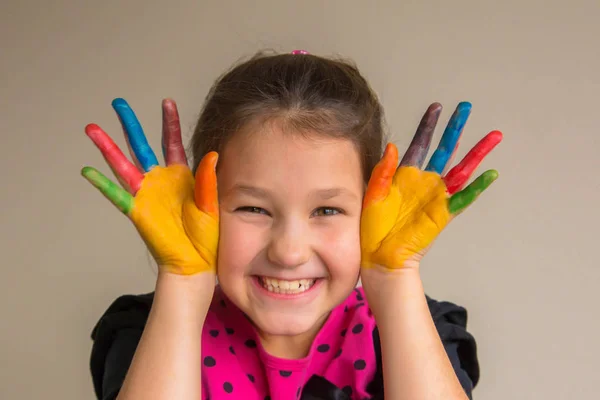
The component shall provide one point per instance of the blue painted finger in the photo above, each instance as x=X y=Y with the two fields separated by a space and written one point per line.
x=450 y=138
x=135 y=135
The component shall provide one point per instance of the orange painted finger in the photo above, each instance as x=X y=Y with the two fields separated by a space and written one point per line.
x=205 y=192
x=382 y=176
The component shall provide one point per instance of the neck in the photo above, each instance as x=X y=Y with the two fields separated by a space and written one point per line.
x=290 y=347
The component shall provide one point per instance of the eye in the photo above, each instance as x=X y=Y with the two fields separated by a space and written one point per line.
x=327 y=211
x=252 y=210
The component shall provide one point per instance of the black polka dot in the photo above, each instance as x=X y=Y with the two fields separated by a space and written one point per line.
x=357 y=328
x=360 y=364
x=229 y=331
x=298 y=392
x=358 y=305
x=231 y=350
x=209 y=361
x=267 y=397
x=222 y=303
x=343 y=333
x=323 y=348
x=338 y=353
x=346 y=309
x=358 y=295
x=285 y=374
x=228 y=387
x=214 y=332
x=250 y=377
x=250 y=343
x=347 y=390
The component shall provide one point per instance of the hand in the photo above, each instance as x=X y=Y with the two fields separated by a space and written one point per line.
x=405 y=208
x=161 y=201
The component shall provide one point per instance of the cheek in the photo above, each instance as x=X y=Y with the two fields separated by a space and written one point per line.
x=238 y=245
x=339 y=247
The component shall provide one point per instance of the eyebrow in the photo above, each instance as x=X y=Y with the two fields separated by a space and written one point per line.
x=323 y=194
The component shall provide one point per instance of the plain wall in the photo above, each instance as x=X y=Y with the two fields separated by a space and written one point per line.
x=522 y=259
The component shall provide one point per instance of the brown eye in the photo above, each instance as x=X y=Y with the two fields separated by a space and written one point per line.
x=253 y=210
x=327 y=211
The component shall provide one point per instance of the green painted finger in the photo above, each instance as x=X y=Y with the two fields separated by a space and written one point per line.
x=118 y=196
x=461 y=200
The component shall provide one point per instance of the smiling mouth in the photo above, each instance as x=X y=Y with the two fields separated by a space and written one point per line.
x=286 y=287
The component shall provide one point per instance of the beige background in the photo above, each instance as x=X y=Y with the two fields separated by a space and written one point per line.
x=523 y=259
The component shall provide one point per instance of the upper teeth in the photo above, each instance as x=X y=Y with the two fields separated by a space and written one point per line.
x=277 y=285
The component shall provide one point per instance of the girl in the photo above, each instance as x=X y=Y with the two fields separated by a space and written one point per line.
x=305 y=206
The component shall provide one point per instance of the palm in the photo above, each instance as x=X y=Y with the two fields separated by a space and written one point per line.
x=161 y=201
x=406 y=208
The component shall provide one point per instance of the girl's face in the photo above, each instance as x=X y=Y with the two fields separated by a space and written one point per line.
x=289 y=244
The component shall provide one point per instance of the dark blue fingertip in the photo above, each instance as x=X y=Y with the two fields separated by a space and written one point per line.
x=135 y=134
x=450 y=138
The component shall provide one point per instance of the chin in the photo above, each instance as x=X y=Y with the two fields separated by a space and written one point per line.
x=287 y=324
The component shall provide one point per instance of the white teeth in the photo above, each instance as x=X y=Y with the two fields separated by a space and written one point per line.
x=286 y=287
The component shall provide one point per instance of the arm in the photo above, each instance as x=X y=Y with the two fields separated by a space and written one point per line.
x=407 y=332
x=405 y=208
x=167 y=362
x=177 y=216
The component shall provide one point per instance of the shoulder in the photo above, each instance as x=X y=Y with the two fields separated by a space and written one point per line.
x=116 y=336
x=451 y=323
x=121 y=325
x=126 y=311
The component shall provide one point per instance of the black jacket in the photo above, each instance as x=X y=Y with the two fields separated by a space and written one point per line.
x=118 y=332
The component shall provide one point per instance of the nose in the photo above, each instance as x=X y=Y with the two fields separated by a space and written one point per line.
x=290 y=245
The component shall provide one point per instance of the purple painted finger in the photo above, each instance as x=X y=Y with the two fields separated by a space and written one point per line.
x=172 y=145
x=419 y=147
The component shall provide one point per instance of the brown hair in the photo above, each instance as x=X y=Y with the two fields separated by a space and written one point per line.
x=304 y=93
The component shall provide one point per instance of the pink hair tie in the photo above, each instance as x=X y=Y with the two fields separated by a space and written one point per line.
x=300 y=52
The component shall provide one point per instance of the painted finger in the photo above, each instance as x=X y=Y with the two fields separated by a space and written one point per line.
x=129 y=176
x=419 y=147
x=461 y=200
x=141 y=151
x=118 y=196
x=205 y=192
x=450 y=139
x=172 y=146
x=461 y=173
x=382 y=176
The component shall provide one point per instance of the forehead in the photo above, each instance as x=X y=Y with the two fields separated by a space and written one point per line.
x=269 y=155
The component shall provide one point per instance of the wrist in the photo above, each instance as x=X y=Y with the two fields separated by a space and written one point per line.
x=390 y=291
x=186 y=296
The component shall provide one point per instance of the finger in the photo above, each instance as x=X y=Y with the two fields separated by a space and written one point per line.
x=461 y=173
x=140 y=149
x=450 y=138
x=172 y=145
x=205 y=192
x=461 y=200
x=382 y=176
x=118 y=196
x=129 y=176
x=419 y=147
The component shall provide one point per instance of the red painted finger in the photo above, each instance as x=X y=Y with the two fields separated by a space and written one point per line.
x=382 y=176
x=123 y=168
x=458 y=176
x=172 y=145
